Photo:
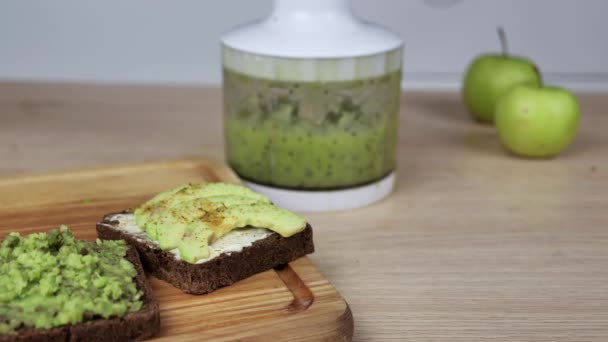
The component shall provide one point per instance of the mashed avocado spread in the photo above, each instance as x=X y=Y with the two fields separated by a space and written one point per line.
x=190 y=217
x=51 y=279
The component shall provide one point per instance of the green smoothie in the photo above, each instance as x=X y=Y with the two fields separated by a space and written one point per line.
x=311 y=135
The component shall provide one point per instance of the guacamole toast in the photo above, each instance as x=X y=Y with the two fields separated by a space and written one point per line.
x=200 y=237
x=130 y=326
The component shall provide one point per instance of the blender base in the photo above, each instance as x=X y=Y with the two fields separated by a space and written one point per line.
x=331 y=200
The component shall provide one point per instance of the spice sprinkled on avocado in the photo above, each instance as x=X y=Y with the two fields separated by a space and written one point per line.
x=191 y=217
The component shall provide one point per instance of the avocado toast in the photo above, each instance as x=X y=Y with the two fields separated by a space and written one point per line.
x=200 y=237
x=56 y=288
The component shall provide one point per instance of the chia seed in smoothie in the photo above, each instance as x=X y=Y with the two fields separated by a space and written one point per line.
x=311 y=135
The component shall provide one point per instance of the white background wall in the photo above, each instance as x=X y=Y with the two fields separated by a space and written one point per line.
x=176 y=41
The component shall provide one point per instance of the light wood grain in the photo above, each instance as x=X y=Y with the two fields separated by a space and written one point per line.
x=474 y=244
x=295 y=302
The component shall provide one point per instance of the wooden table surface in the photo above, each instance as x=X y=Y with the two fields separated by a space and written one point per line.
x=474 y=244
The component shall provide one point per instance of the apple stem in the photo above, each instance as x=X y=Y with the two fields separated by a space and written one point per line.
x=502 y=36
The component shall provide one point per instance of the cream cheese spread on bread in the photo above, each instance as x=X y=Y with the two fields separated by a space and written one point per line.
x=232 y=242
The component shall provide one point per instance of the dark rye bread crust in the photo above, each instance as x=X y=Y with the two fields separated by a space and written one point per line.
x=133 y=326
x=225 y=269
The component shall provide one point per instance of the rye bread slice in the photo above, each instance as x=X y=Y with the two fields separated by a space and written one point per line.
x=133 y=326
x=223 y=270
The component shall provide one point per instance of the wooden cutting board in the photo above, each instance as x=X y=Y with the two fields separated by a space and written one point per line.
x=295 y=302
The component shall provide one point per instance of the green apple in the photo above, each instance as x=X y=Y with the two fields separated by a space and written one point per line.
x=537 y=121
x=490 y=76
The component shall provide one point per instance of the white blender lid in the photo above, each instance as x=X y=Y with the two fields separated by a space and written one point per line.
x=310 y=29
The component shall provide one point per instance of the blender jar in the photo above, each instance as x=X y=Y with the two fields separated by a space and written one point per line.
x=311 y=99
